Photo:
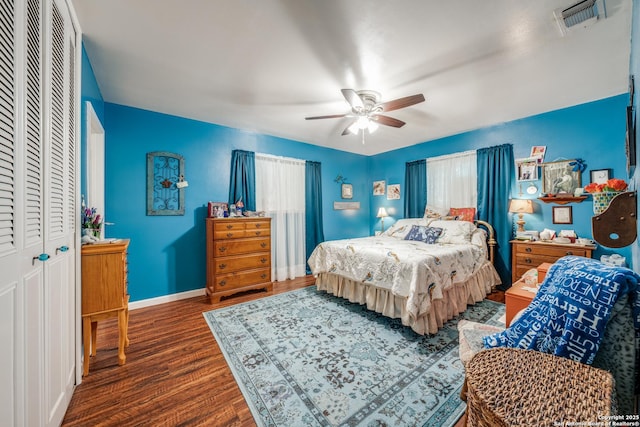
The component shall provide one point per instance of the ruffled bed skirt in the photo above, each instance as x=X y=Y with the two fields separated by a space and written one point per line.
x=384 y=302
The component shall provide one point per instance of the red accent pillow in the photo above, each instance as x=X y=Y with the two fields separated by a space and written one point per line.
x=463 y=214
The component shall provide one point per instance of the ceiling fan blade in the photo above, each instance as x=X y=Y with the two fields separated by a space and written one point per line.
x=352 y=98
x=388 y=121
x=396 y=104
x=346 y=130
x=332 y=116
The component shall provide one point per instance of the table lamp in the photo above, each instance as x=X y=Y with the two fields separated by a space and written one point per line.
x=382 y=212
x=520 y=207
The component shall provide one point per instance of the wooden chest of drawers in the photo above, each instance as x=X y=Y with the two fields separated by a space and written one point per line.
x=528 y=255
x=238 y=256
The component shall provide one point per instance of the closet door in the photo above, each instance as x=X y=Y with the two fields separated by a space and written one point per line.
x=11 y=298
x=60 y=213
x=31 y=142
x=38 y=211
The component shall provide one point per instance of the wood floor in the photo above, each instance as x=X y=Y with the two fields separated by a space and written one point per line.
x=175 y=374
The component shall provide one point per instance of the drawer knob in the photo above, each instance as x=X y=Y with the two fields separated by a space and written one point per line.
x=222 y=266
x=258 y=225
x=258 y=233
x=527 y=260
x=569 y=253
x=229 y=226
x=263 y=260
x=229 y=234
x=528 y=249
x=263 y=245
x=262 y=276
x=223 y=282
x=222 y=248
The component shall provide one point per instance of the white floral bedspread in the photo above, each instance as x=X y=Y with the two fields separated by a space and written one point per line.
x=409 y=269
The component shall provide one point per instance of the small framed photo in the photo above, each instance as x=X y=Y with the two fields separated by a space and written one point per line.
x=562 y=215
x=347 y=191
x=538 y=151
x=378 y=188
x=393 y=192
x=527 y=171
x=600 y=176
x=218 y=209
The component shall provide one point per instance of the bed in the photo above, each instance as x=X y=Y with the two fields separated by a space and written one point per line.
x=411 y=271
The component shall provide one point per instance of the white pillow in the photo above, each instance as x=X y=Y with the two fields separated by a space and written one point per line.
x=457 y=232
x=401 y=227
x=435 y=212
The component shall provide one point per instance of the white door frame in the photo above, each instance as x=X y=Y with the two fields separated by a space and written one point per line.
x=95 y=162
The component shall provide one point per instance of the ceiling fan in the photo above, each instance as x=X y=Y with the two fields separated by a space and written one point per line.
x=366 y=108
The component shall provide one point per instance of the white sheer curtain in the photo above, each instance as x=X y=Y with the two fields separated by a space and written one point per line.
x=280 y=193
x=452 y=180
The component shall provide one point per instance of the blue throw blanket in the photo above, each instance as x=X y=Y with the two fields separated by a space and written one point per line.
x=569 y=313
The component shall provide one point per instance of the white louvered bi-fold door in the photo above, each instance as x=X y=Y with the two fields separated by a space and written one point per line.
x=38 y=211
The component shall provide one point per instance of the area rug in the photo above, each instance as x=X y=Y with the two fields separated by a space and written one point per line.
x=307 y=358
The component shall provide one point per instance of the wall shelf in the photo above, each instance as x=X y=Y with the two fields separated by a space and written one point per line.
x=562 y=200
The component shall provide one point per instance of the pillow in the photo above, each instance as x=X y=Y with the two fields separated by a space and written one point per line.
x=401 y=227
x=421 y=233
x=435 y=212
x=456 y=232
x=463 y=214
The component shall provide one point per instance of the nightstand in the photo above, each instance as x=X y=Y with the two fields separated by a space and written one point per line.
x=516 y=299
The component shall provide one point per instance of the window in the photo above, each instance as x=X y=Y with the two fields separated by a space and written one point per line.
x=280 y=192
x=452 y=180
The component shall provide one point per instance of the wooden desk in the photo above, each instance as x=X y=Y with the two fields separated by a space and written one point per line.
x=104 y=294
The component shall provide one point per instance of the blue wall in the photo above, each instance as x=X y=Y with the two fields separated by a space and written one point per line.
x=594 y=132
x=167 y=253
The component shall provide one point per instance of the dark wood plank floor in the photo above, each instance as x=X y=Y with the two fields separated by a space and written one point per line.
x=175 y=374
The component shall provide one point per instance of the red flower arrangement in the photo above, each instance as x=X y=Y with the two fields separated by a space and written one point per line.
x=614 y=185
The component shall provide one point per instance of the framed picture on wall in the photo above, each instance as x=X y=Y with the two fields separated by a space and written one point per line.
x=559 y=177
x=537 y=152
x=393 y=192
x=562 y=215
x=347 y=191
x=527 y=169
x=378 y=188
x=600 y=176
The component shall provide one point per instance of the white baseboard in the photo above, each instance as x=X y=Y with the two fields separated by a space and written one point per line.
x=163 y=299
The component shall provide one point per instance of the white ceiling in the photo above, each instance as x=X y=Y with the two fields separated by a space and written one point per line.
x=264 y=65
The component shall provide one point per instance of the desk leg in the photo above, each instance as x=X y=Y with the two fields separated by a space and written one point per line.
x=126 y=326
x=94 y=337
x=86 y=341
x=122 y=336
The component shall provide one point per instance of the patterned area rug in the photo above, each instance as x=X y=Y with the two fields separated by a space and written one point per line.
x=307 y=358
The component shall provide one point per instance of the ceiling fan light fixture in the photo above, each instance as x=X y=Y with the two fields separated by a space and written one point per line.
x=362 y=123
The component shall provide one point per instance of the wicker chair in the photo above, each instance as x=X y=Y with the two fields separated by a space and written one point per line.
x=617 y=353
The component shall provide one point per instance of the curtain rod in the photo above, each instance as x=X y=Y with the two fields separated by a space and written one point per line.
x=271 y=156
x=451 y=156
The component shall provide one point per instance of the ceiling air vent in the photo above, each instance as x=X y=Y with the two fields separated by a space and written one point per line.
x=581 y=14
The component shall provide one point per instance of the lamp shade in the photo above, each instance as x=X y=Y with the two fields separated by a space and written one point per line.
x=521 y=206
x=382 y=212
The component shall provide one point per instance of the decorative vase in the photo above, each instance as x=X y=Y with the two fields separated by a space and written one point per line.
x=601 y=201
